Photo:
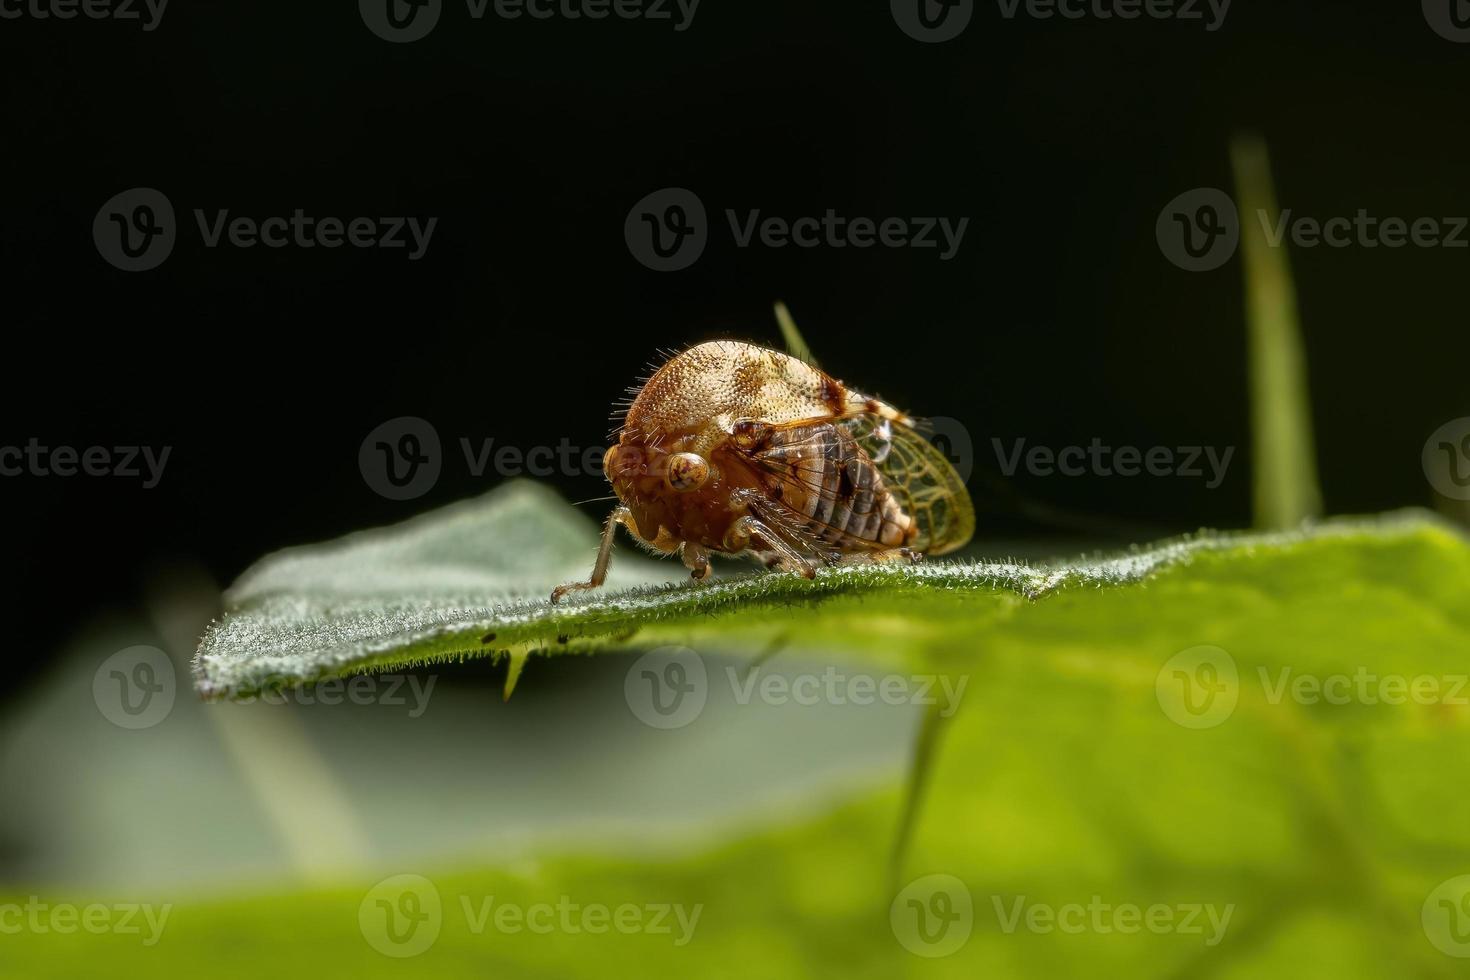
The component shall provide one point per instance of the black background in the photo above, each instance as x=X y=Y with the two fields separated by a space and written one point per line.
x=1059 y=320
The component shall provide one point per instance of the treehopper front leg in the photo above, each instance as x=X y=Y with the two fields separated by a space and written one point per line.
x=620 y=515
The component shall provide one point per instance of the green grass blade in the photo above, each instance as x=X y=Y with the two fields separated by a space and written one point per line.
x=1286 y=488
x=795 y=343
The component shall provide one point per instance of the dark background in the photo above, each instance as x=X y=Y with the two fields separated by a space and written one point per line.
x=1059 y=320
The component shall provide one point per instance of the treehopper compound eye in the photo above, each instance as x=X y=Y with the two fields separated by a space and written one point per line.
x=687 y=471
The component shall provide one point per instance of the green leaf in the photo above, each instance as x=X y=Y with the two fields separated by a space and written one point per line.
x=473 y=580
x=1064 y=780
